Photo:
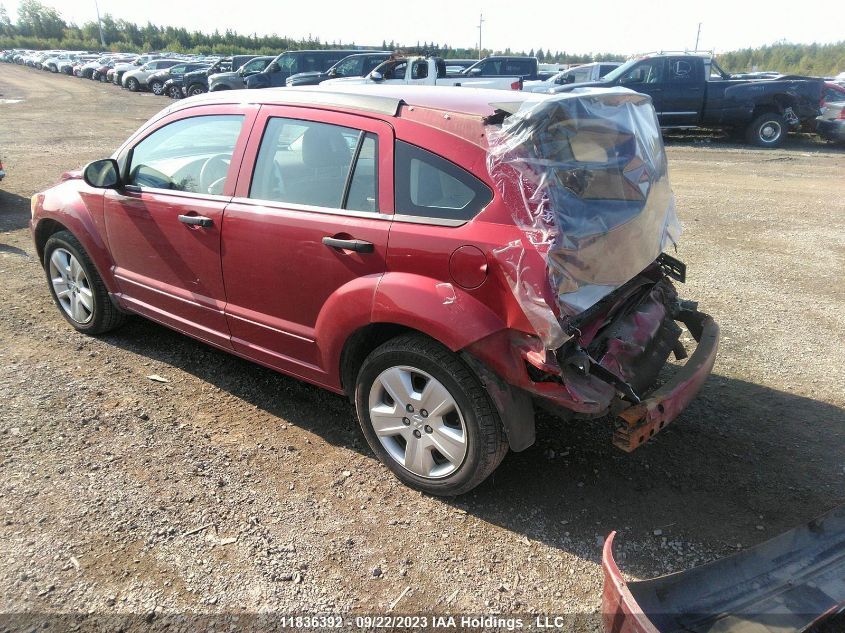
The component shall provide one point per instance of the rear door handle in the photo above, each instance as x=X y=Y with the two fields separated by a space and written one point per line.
x=196 y=220
x=359 y=246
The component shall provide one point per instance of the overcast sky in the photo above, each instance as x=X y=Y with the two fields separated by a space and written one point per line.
x=623 y=26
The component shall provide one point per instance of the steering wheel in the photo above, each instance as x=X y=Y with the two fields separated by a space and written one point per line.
x=213 y=173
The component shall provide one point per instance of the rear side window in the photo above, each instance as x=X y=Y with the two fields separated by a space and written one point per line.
x=316 y=164
x=429 y=186
x=682 y=70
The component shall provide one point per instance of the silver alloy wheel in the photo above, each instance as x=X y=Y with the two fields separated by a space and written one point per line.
x=71 y=286
x=418 y=422
x=157 y=88
x=770 y=131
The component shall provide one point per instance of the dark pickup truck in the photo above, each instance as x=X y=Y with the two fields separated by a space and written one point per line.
x=691 y=91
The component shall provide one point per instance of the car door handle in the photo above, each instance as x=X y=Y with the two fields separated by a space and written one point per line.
x=196 y=220
x=359 y=246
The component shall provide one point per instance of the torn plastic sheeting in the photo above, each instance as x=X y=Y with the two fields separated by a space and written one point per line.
x=585 y=176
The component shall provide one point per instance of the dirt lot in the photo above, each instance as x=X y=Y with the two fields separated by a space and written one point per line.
x=234 y=489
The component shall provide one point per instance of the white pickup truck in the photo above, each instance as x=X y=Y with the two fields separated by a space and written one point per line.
x=425 y=71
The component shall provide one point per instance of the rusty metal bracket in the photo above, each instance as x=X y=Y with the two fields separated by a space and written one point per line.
x=641 y=422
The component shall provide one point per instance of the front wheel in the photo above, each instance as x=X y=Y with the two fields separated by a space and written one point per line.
x=427 y=417
x=174 y=92
x=767 y=130
x=195 y=89
x=132 y=84
x=76 y=287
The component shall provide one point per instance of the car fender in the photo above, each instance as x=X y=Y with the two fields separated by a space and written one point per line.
x=442 y=310
x=81 y=213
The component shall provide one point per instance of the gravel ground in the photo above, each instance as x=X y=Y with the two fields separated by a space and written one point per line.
x=232 y=489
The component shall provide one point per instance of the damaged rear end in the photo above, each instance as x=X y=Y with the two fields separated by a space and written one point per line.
x=586 y=179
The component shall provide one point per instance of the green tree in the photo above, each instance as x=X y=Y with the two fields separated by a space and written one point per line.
x=40 y=21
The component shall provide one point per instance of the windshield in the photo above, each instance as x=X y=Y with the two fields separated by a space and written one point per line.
x=614 y=74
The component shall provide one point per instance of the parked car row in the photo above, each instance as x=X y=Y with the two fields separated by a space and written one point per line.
x=687 y=90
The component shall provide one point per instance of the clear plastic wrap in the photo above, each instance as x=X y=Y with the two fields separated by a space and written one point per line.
x=585 y=176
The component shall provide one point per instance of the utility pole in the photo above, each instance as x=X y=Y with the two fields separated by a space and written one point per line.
x=100 y=25
x=697 y=35
x=480 y=22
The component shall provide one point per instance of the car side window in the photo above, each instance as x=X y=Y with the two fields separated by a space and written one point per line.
x=429 y=186
x=316 y=164
x=190 y=155
x=649 y=71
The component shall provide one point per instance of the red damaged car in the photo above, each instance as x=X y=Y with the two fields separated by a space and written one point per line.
x=444 y=257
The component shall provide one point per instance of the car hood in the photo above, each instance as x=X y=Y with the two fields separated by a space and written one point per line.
x=308 y=75
x=218 y=76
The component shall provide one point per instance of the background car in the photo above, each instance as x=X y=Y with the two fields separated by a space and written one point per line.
x=585 y=72
x=235 y=80
x=136 y=80
x=196 y=82
x=830 y=125
x=527 y=68
x=356 y=65
x=157 y=80
x=293 y=62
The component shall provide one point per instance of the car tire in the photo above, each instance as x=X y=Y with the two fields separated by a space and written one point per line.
x=447 y=454
x=86 y=306
x=174 y=92
x=767 y=130
x=132 y=84
x=195 y=89
x=157 y=88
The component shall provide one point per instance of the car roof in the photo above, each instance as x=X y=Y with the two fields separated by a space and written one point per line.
x=385 y=99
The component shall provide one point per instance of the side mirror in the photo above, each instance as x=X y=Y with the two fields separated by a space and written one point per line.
x=102 y=174
x=475 y=72
x=376 y=76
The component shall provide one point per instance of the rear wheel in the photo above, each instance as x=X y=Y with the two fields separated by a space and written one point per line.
x=157 y=87
x=77 y=288
x=767 y=130
x=427 y=417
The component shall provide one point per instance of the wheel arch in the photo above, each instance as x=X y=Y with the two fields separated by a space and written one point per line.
x=83 y=227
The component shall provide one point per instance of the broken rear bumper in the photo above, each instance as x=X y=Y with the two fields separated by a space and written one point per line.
x=642 y=421
x=793 y=582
